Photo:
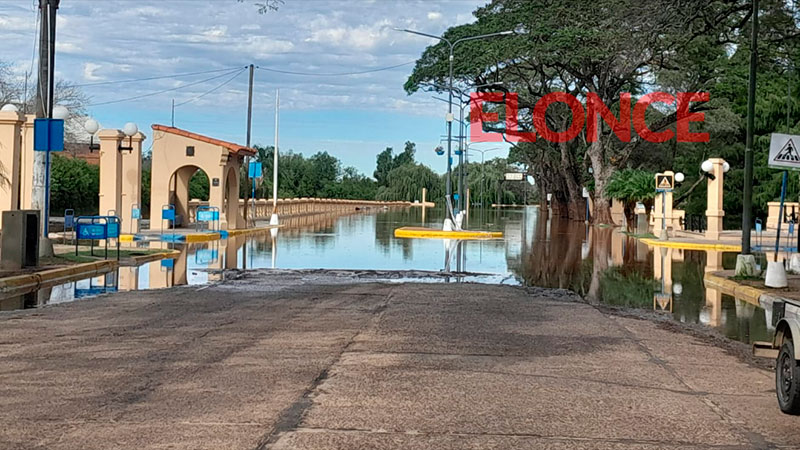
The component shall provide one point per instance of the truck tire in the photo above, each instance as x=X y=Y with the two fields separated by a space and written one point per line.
x=787 y=379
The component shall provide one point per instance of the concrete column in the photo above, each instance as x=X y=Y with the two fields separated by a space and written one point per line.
x=26 y=164
x=110 y=171
x=715 y=211
x=10 y=152
x=131 y=184
x=216 y=195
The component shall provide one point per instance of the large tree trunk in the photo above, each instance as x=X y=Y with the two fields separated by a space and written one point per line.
x=602 y=175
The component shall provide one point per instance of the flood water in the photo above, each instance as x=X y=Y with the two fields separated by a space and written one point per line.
x=600 y=264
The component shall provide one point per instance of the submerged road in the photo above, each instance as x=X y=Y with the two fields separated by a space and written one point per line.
x=292 y=360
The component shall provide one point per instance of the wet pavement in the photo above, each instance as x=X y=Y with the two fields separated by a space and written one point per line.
x=316 y=360
x=602 y=265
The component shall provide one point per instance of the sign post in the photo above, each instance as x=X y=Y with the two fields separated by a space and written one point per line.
x=783 y=154
x=254 y=171
x=665 y=182
x=48 y=136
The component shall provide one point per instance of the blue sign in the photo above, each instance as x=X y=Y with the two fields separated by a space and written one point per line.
x=206 y=256
x=455 y=196
x=112 y=230
x=254 y=171
x=136 y=213
x=205 y=215
x=69 y=220
x=168 y=214
x=48 y=135
x=168 y=263
x=91 y=231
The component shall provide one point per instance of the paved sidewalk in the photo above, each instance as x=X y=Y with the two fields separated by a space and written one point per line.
x=299 y=361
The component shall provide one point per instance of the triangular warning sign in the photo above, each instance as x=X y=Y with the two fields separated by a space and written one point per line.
x=664 y=183
x=788 y=153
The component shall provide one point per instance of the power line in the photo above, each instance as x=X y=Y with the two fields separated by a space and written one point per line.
x=289 y=72
x=177 y=75
x=137 y=97
x=212 y=90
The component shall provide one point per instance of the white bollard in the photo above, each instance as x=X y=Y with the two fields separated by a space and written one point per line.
x=776 y=275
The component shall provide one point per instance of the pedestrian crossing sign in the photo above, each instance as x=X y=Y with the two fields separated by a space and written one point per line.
x=784 y=151
x=665 y=182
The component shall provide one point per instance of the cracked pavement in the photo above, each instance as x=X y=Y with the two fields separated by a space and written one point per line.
x=302 y=360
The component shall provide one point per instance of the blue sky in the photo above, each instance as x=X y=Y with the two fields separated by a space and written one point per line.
x=352 y=117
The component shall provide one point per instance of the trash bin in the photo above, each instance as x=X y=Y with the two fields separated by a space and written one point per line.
x=20 y=239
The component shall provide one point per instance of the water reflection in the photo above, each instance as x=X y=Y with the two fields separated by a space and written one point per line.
x=601 y=264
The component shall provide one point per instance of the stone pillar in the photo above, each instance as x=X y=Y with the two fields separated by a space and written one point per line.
x=131 y=184
x=110 y=171
x=10 y=151
x=714 y=210
x=26 y=164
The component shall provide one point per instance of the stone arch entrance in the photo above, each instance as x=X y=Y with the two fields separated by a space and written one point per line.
x=180 y=193
x=177 y=155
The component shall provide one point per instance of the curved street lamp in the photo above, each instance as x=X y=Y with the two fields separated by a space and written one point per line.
x=449 y=117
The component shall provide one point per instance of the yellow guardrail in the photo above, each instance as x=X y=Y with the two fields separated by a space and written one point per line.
x=429 y=233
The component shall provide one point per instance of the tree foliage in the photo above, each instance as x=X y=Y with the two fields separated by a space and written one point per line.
x=75 y=184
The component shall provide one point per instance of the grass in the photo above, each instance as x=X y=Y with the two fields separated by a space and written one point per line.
x=641 y=235
x=85 y=256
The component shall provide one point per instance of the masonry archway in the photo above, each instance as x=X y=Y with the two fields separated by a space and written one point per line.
x=179 y=154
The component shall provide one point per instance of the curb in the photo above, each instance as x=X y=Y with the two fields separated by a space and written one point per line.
x=691 y=245
x=21 y=284
x=730 y=287
x=139 y=260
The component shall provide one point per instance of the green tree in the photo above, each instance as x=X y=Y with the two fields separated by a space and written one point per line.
x=405 y=183
x=384 y=165
x=198 y=186
x=75 y=184
x=631 y=186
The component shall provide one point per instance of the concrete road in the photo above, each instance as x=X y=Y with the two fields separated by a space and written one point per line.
x=289 y=361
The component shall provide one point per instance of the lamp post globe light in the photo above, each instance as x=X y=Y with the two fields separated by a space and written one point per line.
x=130 y=129
x=92 y=127
x=10 y=107
x=60 y=112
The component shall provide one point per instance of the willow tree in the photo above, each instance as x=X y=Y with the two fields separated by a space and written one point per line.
x=600 y=48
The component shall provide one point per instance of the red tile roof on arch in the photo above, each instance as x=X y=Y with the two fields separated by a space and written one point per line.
x=234 y=148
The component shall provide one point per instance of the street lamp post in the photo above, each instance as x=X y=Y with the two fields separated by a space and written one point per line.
x=463 y=157
x=449 y=117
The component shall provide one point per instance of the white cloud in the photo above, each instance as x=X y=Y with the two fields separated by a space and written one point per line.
x=434 y=15
x=89 y=70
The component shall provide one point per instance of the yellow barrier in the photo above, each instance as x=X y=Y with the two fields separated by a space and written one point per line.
x=429 y=233
x=692 y=245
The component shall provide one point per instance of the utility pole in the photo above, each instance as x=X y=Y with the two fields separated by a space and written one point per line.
x=45 y=90
x=247 y=163
x=747 y=206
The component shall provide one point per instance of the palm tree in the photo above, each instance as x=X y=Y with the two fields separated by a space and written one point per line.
x=631 y=186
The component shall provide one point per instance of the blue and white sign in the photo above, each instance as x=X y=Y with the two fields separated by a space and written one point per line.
x=205 y=215
x=254 y=170
x=136 y=213
x=48 y=135
x=112 y=230
x=168 y=214
x=91 y=231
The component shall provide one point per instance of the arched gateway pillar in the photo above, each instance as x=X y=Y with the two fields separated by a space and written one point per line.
x=177 y=155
